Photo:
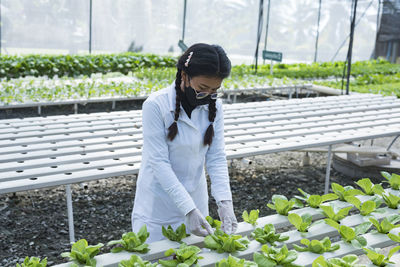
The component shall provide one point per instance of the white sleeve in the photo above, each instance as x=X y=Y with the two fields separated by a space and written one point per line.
x=216 y=163
x=155 y=143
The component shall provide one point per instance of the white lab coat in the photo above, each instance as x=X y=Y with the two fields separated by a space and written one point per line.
x=171 y=180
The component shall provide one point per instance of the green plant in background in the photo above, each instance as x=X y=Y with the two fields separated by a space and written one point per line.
x=252 y=217
x=33 y=262
x=132 y=242
x=183 y=256
x=333 y=212
x=214 y=222
x=222 y=242
x=267 y=235
x=316 y=246
x=302 y=223
x=176 y=235
x=343 y=192
x=369 y=188
x=393 y=179
x=387 y=224
x=136 y=261
x=315 y=200
x=366 y=207
x=282 y=205
x=351 y=235
x=272 y=256
x=82 y=253
x=232 y=261
x=391 y=200
x=347 y=261
x=380 y=259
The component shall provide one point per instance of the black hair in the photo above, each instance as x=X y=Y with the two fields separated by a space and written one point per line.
x=207 y=60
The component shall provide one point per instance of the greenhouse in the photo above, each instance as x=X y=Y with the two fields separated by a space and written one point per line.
x=230 y=133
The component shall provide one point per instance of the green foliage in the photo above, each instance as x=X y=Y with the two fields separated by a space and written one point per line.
x=395 y=238
x=282 y=205
x=252 y=217
x=272 y=256
x=334 y=213
x=185 y=256
x=351 y=235
x=387 y=224
x=214 y=222
x=302 y=223
x=380 y=259
x=391 y=200
x=367 y=207
x=315 y=200
x=82 y=253
x=268 y=235
x=316 y=246
x=369 y=188
x=177 y=235
x=33 y=262
x=136 y=261
x=232 y=261
x=347 y=261
x=74 y=65
x=343 y=192
x=132 y=242
x=393 y=179
x=222 y=242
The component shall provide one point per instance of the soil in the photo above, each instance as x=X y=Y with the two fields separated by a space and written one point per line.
x=34 y=223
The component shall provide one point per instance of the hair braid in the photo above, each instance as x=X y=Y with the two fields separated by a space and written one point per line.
x=173 y=128
x=212 y=111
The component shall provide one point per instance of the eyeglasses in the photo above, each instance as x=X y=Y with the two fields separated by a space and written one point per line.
x=201 y=95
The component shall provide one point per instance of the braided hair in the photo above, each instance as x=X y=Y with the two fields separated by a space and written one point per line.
x=207 y=60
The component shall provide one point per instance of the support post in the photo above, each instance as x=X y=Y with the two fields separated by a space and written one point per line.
x=328 y=169
x=391 y=144
x=70 y=214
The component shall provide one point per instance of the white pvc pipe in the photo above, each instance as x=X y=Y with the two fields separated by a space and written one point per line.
x=70 y=214
x=328 y=169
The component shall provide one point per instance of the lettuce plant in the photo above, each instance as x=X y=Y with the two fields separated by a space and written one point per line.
x=367 y=207
x=222 y=242
x=176 y=235
x=343 y=192
x=334 y=213
x=347 y=261
x=393 y=179
x=213 y=222
x=132 y=242
x=268 y=235
x=395 y=238
x=185 y=254
x=380 y=259
x=282 y=205
x=232 y=261
x=387 y=224
x=391 y=200
x=33 y=262
x=302 y=223
x=136 y=261
x=369 y=188
x=315 y=200
x=82 y=253
x=316 y=246
x=252 y=217
x=272 y=256
x=351 y=235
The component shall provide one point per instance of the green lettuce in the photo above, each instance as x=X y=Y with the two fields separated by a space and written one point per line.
x=132 y=242
x=82 y=253
x=268 y=235
x=177 y=235
x=222 y=242
x=315 y=200
x=183 y=256
x=316 y=246
x=252 y=217
x=282 y=205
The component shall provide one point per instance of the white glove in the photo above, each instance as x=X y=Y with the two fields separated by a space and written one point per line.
x=227 y=216
x=195 y=222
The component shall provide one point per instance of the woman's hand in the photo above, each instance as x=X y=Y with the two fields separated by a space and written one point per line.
x=198 y=224
x=227 y=216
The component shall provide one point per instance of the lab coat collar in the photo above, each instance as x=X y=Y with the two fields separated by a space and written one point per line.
x=172 y=99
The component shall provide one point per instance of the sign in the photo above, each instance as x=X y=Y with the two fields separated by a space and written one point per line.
x=277 y=56
x=182 y=45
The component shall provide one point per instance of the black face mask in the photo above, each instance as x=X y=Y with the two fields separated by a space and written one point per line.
x=193 y=101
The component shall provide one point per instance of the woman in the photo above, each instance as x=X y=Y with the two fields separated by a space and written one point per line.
x=183 y=130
